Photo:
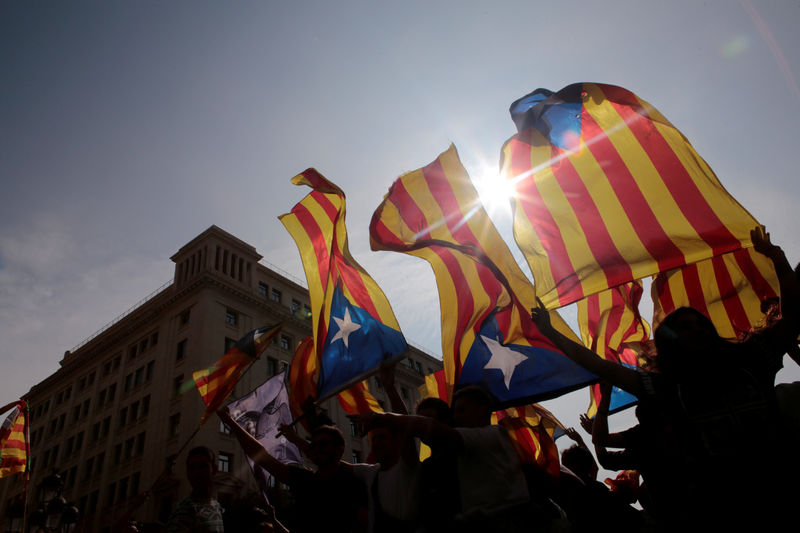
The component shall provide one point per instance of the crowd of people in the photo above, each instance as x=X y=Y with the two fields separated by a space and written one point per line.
x=713 y=447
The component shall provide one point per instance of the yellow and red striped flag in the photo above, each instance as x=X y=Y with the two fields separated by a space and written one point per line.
x=302 y=377
x=533 y=430
x=488 y=338
x=608 y=191
x=612 y=327
x=728 y=289
x=216 y=383
x=354 y=327
x=14 y=441
x=358 y=400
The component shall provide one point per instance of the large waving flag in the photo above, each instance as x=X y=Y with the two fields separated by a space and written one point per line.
x=612 y=327
x=216 y=383
x=14 y=441
x=353 y=324
x=728 y=289
x=608 y=191
x=261 y=413
x=487 y=335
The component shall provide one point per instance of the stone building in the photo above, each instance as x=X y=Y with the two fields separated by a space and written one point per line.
x=117 y=412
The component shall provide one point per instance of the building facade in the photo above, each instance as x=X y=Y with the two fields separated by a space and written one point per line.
x=121 y=408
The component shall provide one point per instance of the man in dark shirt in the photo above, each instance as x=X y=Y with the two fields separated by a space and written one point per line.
x=331 y=499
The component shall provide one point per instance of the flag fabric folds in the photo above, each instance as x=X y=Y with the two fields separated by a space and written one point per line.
x=261 y=412
x=302 y=377
x=612 y=327
x=533 y=430
x=487 y=335
x=608 y=191
x=354 y=328
x=728 y=289
x=15 y=441
x=358 y=400
x=216 y=383
x=303 y=387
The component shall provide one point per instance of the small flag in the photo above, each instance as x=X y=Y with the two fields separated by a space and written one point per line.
x=216 y=383
x=612 y=327
x=353 y=324
x=14 y=441
x=261 y=412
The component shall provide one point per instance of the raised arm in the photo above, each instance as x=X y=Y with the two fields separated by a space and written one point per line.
x=386 y=375
x=432 y=432
x=789 y=324
x=254 y=449
x=600 y=435
x=624 y=378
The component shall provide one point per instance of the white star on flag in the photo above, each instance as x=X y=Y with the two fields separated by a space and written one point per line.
x=346 y=327
x=503 y=359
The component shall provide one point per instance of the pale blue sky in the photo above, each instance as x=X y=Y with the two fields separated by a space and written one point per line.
x=127 y=128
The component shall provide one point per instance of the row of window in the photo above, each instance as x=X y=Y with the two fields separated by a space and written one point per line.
x=87 y=380
x=133 y=412
x=142 y=345
x=142 y=374
x=275 y=295
x=123 y=489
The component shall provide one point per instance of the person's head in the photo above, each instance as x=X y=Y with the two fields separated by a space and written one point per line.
x=685 y=339
x=385 y=444
x=472 y=407
x=581 y=462
x=200 y=469
x=327 y=446
x=435 y=408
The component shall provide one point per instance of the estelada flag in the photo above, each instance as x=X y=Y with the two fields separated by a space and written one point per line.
x=14 y=441
x=488 y=338
x=354 y=327
x=607 y=191
x=216 y=383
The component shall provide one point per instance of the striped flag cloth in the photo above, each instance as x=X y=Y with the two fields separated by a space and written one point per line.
x=358 y=400
x=532 y=428
x=216 y=383
x=608 y=191
x=353 y=325
x=612 y=327
x=728 y=289
x=488 y=338
x=15 y=441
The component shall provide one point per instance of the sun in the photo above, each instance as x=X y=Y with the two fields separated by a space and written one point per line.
x=494 y=191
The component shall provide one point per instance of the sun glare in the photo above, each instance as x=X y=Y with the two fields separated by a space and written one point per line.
x=494 y=191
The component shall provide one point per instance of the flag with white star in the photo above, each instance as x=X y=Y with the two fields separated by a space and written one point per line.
x=354 y=327
x=488 y=337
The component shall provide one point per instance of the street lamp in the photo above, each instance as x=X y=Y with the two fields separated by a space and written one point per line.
x=15 y=515
x=54 y=514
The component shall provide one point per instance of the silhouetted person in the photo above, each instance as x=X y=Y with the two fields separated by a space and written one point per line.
x=331 y=499
x=708 y=419
x=199 y=512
